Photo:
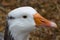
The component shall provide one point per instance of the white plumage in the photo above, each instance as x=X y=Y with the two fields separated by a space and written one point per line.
x=21 y=22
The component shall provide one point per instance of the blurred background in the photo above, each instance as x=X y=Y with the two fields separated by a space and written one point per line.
x=49 y=9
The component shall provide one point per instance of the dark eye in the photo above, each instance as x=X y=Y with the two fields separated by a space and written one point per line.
x=24 y=16
x=11 y=17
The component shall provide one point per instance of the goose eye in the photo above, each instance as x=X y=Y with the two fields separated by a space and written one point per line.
x=24 y=16
x=11 y=17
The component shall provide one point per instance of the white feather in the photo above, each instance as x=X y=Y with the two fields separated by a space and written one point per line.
x=21 y=27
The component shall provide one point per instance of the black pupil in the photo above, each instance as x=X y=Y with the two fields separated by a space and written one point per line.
x=24 y=16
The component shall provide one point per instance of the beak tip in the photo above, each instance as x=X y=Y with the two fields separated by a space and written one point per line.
x=53 y=25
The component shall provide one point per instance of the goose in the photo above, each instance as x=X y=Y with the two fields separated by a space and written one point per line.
x=21 y=21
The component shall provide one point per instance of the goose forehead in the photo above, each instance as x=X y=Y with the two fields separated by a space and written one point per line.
x=22 y=10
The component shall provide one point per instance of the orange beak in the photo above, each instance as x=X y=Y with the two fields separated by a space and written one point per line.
x=39 y=20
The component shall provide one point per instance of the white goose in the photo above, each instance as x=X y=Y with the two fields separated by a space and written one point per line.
x=22 y=21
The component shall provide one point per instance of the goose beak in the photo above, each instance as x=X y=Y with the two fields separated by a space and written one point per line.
x=39 y=20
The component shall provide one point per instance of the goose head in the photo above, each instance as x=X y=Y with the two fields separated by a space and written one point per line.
x=25 y=19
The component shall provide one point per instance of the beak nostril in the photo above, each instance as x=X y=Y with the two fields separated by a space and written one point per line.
x=43 y=21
